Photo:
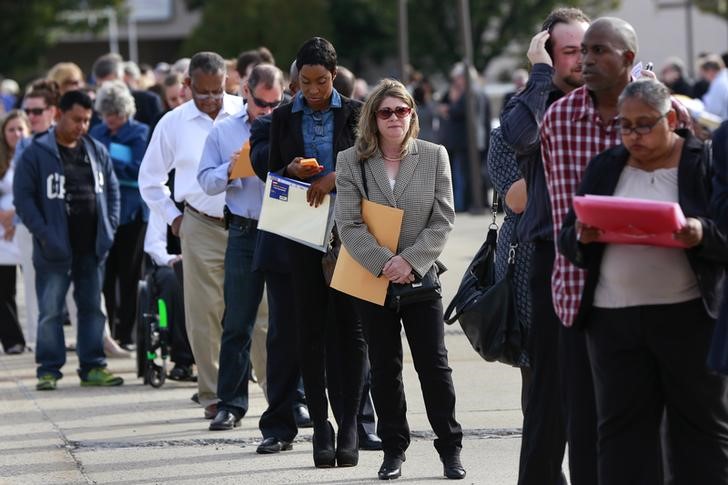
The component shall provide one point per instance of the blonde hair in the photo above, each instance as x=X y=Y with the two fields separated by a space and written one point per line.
x=64 y=71
x=367 y=139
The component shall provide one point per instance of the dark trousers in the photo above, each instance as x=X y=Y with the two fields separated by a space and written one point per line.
x=318 y=308
x=10 y=332
x=282 y=370
x=650 y=360
x=425 y=332
x=243 y=289
x=124 y=266
x=544 y=435
x=168 y=285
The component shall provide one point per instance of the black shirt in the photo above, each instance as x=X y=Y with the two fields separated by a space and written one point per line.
x=80 y=198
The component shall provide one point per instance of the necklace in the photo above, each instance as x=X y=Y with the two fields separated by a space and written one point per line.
x=397 y=159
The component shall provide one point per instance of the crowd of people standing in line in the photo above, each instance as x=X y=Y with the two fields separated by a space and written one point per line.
x=619 y=334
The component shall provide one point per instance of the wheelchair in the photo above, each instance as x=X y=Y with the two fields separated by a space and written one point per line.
x=152 y=333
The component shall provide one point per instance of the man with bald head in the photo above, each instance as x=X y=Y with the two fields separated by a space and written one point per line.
x=575 y=129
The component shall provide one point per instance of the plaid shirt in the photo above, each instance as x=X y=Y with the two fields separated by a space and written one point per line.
x=572 y=133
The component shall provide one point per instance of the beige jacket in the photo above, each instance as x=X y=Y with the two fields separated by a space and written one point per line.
x=423 y=189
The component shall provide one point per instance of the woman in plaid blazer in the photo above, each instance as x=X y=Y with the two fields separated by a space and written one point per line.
x=412 y=175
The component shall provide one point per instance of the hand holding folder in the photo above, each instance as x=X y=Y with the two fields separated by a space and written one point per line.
x=241 y=165
x=350 y=277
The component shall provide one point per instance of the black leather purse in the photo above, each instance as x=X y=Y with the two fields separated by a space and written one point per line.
x=421 y=289
x=486 y=308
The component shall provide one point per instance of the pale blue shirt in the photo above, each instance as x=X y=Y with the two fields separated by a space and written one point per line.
x=716 y=99
x=242 y=196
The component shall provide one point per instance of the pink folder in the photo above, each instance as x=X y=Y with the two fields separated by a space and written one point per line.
x=631 y=221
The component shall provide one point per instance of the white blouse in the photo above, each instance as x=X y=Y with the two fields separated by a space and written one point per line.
x=633 y=275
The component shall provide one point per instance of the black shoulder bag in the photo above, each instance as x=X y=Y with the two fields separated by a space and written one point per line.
x=486 y=308
x=421 y=289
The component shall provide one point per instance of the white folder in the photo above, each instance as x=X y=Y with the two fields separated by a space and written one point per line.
x=286 y=212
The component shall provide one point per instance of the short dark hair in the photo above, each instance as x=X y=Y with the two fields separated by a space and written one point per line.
x=75 y=97
x=106 y=65
x=246 y=59
x=317 y=51
x=562 y=15
x=208 y=63
x=344 y=81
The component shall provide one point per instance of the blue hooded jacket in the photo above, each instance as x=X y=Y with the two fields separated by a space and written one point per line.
x=39 y=201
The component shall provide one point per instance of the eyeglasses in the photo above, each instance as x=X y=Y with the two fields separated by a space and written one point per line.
x=203 y=97
x=34 y=111
x=639 y=129
x=400 y=111
x=264 y=104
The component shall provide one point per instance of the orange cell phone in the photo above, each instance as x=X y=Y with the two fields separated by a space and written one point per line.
x=309 y=162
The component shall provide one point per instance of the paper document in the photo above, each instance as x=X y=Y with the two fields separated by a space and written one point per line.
x=631 y=221
x=242 y=166
x=119 y=152
x=350 y=277
x=286 y=212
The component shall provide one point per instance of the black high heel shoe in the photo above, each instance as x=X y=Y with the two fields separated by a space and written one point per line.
x=324 y=455
x=347 y=447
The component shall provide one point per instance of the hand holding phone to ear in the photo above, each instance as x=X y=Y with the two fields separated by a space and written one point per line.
x=537 y=52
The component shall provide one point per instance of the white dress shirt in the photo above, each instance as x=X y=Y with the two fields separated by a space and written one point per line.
x=177 y=143
x=155 y=240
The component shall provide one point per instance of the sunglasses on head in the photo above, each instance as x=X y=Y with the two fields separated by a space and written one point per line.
x=400 y=111
x=34 y=111
x=264 y=104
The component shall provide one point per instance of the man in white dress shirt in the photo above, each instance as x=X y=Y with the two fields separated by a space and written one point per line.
x=177 y=143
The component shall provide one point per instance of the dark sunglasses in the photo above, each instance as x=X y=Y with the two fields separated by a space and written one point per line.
x=34 y=111
x=264 y=104
x=400 y=111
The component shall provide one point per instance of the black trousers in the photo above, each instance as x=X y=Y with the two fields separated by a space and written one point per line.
x=10 y=332
x=544 y=431
x=282 y=367
x=124 y=265
x=425 y=333
x=650 y=360
x=168 y=282
x=318 y=309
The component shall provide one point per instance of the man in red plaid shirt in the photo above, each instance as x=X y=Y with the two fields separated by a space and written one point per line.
x=574 y=130
x=580 y=126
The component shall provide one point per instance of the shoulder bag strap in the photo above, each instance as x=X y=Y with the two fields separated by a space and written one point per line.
x=364 y=178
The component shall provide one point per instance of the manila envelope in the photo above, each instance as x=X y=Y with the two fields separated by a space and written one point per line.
x=350 y=277
x=242 y=166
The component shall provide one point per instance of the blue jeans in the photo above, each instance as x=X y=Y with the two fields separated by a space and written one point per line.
x=460 y=180
x=51 y=287
x=243 y=291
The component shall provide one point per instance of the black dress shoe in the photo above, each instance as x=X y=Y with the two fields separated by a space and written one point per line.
x=324 y=455
x=272 y=445
x=182 y=373
x=224 y=420
x=347 y=447
x=195 y=398
x=391 y=468
x=303 y=419
x=452 y=468
x=369 y=441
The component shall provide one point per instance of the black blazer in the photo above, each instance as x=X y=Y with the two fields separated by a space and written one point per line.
x=707 y=260
x=148 y=107
x=286 y=133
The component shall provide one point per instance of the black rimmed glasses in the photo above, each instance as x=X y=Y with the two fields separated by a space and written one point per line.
x=639 y=129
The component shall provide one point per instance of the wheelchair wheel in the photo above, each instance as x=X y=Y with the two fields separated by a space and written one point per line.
x=143 y=307
x=156 y=376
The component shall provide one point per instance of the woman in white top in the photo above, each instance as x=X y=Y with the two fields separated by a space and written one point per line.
x=13 y=127
x=649 y=311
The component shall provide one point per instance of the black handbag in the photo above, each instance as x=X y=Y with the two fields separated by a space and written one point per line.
x=421 y=289
x=486 y=308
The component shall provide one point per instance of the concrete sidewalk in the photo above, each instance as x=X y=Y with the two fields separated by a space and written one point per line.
x=135 y=434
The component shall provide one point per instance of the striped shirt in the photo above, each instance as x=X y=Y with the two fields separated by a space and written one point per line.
x=572 y=133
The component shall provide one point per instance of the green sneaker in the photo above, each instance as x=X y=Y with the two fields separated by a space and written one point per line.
x=46 y=382
x=100 y=376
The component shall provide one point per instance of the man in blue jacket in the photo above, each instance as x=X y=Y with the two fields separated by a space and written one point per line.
x=68 y=197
